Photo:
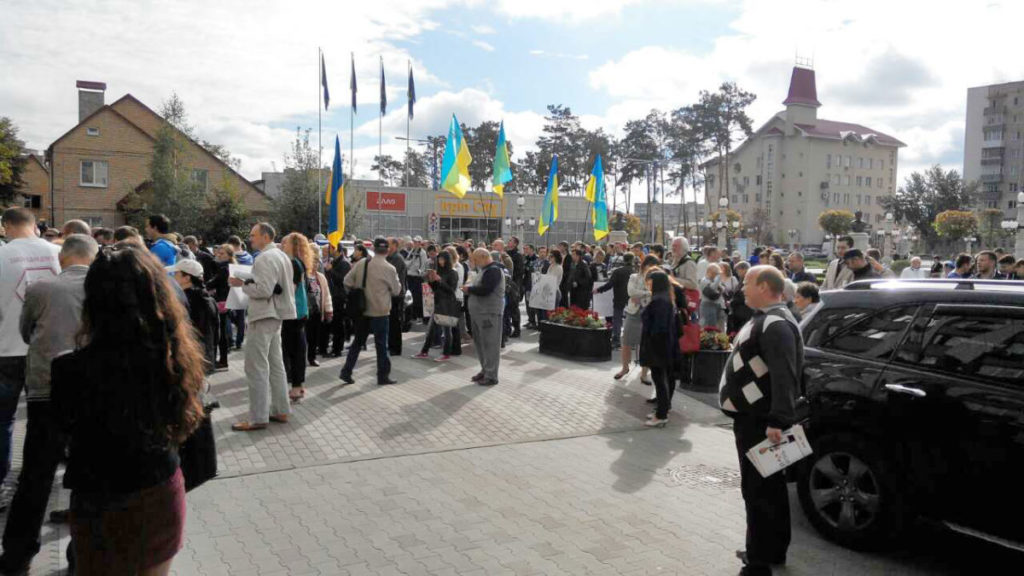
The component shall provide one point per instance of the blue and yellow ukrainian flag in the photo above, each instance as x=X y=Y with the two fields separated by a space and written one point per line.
x=455 y=165
x=549 y=211
x=502 y=165
x=598 y=197
x=335 y=199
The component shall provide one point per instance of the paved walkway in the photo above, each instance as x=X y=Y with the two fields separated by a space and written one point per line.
x=550 y=472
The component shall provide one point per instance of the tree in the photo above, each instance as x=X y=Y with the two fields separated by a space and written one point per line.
x=416 y=169
x=390 y=170
x=954 y=225
x=991 y=220
x=835 y=222
x=722 y=118
x=923 y=196
x=12 y=162
x=688 y=147
x=225 y=213
x=636 y=230
x=173 y=191
x=760 y=226
x=295 y=209
x=482 y=141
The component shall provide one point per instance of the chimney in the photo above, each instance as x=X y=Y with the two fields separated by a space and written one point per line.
x=90 y=97
x=802 y=102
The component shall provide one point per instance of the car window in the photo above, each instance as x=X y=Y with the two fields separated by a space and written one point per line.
x=988 y=347
x=874 y=337
x=827 y=323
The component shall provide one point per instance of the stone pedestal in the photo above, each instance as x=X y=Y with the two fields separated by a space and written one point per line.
x=861 y=240
x=618 y=237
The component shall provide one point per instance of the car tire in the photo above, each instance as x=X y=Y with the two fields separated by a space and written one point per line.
x=850 y=493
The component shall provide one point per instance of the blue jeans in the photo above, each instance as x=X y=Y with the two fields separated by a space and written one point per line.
x=238 y=320
x=379 y=328
x=12 y=380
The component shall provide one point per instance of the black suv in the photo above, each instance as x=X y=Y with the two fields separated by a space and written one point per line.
x=915 y=407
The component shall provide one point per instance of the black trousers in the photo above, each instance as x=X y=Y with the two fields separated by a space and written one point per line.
x=293 y=349
x=395 y=320
x=44 y=446
x=415 y=313
x=224 y=336
x=314 y=331
x=516 y=316
x=766 y=499
x=665 y=389
x=341 y=330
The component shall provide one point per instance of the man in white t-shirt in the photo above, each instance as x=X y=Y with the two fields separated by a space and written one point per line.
x=24 y=260
x=914 y=271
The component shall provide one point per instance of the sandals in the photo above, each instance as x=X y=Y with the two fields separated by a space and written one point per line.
x=621 y=374
x=296 y=394
x=247 y=427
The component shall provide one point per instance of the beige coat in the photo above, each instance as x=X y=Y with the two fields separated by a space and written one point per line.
x=381 y=285
x=326 y=305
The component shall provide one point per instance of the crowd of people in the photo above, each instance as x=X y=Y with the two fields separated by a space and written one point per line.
x=112 y=334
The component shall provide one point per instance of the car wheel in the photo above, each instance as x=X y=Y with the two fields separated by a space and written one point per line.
x=849 y=494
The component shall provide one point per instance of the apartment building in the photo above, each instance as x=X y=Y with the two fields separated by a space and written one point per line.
x=993 y=149
x=796 y=166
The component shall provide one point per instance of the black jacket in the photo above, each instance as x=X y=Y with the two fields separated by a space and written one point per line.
x=518 y=266
x=659 y=340
x=528 y=263
x=209 y=264
x=444 y=293
x=219 y=283
x=202 y=310
x=336 y=279
x=619 y=283
x=399 y=264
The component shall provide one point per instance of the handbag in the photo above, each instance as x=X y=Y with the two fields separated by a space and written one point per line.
x=690 y=342
x=446 y=321
x=355 y=304
x=198 y=455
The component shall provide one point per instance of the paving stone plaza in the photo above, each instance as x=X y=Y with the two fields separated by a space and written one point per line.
x=550 y=472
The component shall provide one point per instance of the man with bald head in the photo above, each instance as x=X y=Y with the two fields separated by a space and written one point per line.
x=758 y=391
x=486 y=308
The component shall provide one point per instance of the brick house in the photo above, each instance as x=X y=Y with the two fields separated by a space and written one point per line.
x=101 y=161
x=35 y=190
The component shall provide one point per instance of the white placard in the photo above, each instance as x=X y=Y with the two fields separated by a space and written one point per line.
x=604 y=303
x=237 y=300
x=544 y=294
x=769 y=458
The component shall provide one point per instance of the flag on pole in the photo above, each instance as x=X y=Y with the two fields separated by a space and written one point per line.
x=383 y=90
x=549 y=211
x=411 y=92
x=502 y=166
x=598 y=197
x=336 y=199
x=323 y=81
x=455 y=165
x=352 y=85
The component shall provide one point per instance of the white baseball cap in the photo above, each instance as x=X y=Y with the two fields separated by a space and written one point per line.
x=190 y=267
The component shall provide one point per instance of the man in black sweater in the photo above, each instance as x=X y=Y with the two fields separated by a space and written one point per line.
x=518 y=272
x=619 y=284
x=758 y=391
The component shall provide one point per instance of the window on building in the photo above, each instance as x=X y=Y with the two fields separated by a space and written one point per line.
x=94 y=173
x=746 y=180
x=835 y=197
x=991 y=204
x=757 y=197
x=878 y=218
x=881 y=164
x=879 y=182
x=860 y=162
x=1013 y=187
x=94 y=221
x=859 y=197
x=757 y=179
x=835 y=179
x=200 y=178
x=846 y=198
x=846 y=180
x=1011 y=205
x=871 y=163
x=867 y=199
x=746 y=198
x=847 y=160
x=735 y=198
x=92 y=131
x=867 y=181
x=1013 y=170
x=32 y=201
x=860 y=181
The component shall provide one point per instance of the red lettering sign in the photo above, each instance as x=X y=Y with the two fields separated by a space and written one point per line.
x=385 y=201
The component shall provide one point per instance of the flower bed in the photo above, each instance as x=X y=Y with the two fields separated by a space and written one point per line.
x=709 y=363
x=576 y=334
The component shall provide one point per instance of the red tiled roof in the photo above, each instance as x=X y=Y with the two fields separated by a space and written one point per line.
x=839 y=130
x=802 y=88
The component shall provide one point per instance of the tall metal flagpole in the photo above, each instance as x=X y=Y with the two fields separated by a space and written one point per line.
x=320 y=142
x=352 y=122
x=408 y=121
x=380 y=143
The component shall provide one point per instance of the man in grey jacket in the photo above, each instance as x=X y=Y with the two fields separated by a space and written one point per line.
x=50 y=319
x=415 y=269
x=271 y=301
x=486 y=308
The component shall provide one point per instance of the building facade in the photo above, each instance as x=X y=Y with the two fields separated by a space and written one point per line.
x=993 y=148
x=441 y=216
x=105 y=157
x=796 y=166
x=676 y=218
x=35 y=184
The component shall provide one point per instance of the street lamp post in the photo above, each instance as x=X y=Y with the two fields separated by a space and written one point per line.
x=970 y=240
x=886 y=248
x=723 y=233
x=792 y=235
x=1018 y=248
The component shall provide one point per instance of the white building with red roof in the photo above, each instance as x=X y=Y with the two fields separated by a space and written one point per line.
x=797 y=165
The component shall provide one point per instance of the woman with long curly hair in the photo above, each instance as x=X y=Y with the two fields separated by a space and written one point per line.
x=128 y=398
x=293 y=332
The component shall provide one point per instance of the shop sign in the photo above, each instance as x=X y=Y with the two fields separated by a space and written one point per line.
x=385 y=201
x=470 y=207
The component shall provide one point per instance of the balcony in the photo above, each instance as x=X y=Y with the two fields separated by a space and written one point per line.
x=993 y=110
x=986 y=144
x=992 y=161
x=991 y=178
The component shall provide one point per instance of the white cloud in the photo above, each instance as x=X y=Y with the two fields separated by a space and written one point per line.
x=574 y=11
x=483 y=45
x=483 y=30
x=537 y=52
x=558 y=55
x=857 y=47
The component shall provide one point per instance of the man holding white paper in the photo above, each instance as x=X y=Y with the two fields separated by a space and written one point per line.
x=758 y=391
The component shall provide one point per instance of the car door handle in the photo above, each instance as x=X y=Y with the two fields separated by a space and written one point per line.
x=901 y=389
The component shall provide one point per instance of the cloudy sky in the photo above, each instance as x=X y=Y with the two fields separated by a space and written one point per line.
x=248 y=73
